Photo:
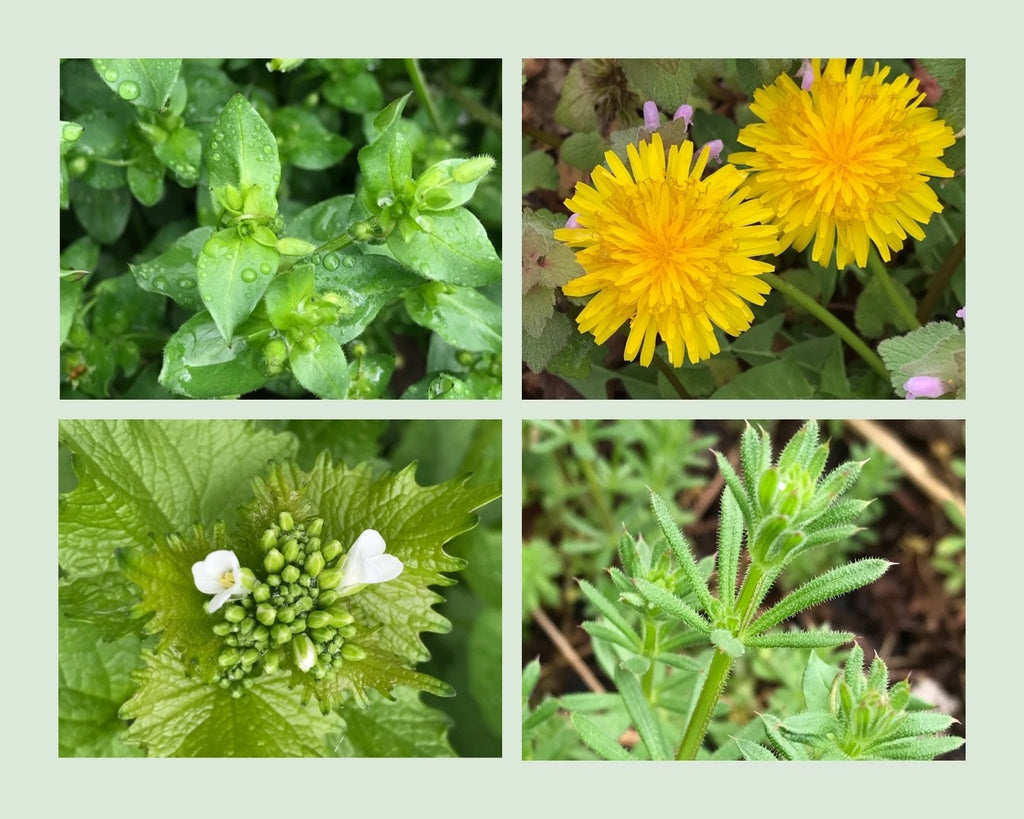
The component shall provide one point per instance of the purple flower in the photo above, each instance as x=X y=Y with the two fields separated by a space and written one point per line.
x=714 y=147
x=573 y=221
x=924 y=386
x=685 y=113
x=651 y=117
x=806 y=74
x=962 y=313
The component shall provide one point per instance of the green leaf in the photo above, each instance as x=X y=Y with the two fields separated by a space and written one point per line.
x=140 y=477
x=321 y=368
x=181 y=153
x=144 y=83
x=370 y=374
x=594 y=738
x=539 y=350
x=832 y=583
x=242 y=153
x=71 y=287
x=146 y=176
x=610 y=612
x=304 y=141
x=104 y=600
x=93 y=682
x=234 y=272
x=404 y=727
x=582 y=150
x=817 y=683
x=779 y=379
x=752 y=752
x=174 y=272
x=577 y=106
x=386 y=162
x=286 y=293
x=69 y=135
x=937 y=349
x=463 y=317
x=539 y=172
x=875 y=309
x=672 y=605
x=681 y=549
x=103 y=213
x=724 y=640
x=822 y=638
x=644 y=719
x=951 y=75
x=198 y=363
x=177 y=715
x=455 y=250
x=668 y=82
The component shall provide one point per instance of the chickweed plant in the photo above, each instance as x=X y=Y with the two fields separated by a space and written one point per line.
x=671 y=627
x=304 y=228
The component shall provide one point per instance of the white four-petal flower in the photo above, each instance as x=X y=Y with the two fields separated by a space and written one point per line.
x=220 y=575
x=366 y=563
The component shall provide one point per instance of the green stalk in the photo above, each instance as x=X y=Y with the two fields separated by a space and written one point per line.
x=880 y=272
x=718 y=673
x=337 y=243
x=796 y=295
x=419 y=84
x=670 y=375
x=940 y=281
x=650 y=649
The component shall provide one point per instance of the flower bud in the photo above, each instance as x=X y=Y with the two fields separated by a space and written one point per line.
x=274 y=580
x=327 y=598
x=303 y=652
x=318 y=619
x=331 y=550
x=247 y=579
x=275 y=356
x=280 y=634
x=352 y=652
x=315 y=564
x=298 y=625
x=266 y=614
x=322 y=635
x=222 y=629
x=290 y=246
x=290 y=550
x=340 y=616
x=250 y=656
x=290 y=573
x=273 y=562
x=472 y=169
x=234 y=614
x=261 y=594
x=268 y=540
x=924 y=386
x=286 y=521
x=271 y=661
x=228 y=657
x=315 y=527
x=330 y=578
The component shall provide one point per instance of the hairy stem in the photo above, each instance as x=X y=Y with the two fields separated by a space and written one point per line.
x=714 y=682
x=796 y=295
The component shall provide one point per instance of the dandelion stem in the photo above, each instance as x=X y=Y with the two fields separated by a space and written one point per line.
x=880 y=272
x=940 y=281
x=670 y=375
x=796 y=295
x=419 y=84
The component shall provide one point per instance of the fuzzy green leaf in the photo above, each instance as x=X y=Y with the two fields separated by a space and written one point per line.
x=595 y=739
x=609 y=611
x=577 y=108
x=752 y=752
x=800 y=639
x=672 y=605
x=322 y=368
x=601 y=631
x=915 y=748
x=199 y=363
x=730 y=542
x=667 y=82
x=937 y=349
x=817 y=683
x=403 y=727
x=681 y=549
x=831 y=584
x=644 y=719
x=174 y=272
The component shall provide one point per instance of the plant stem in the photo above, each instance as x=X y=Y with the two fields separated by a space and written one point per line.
x=880 y=272
x=940 y=281
x=477 y=111
x=795 y=294
x=670 y=375
x=714 y=682
x=419 y=84
x=337 y=243
x=650 y=649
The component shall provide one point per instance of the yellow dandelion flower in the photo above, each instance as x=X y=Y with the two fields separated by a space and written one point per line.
x=667 y=251
x=845 y=162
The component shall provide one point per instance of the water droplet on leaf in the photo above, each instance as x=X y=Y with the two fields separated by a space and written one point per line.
x=110 y=75
x=160 y=283
x=248 y=275
x=265 y=269
x=129 y=90
x=331 y=261
x=349 y=261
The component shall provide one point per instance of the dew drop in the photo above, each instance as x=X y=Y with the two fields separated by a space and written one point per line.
x=215 y=156
x=267 y=150
x=248 y=275
x=331 y=261
x=129 y=90
x=186 y=284
x=265 y=269
x=218 y=136
x=110 y=75
x=208 y=297
x=349 y=261
x=71 y=131
x=160 y=283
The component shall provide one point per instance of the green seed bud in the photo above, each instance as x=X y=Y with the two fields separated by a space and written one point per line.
x=228 y=657
x=268 y=540
x=340 y=616
x=318 y=619
x=290 y=550
x=287 y=521
x=286 y=614
x=274 y=561
x=271 y=661
x=315 y=564
x=303 y=603
x=261 y=635
x=347 y=632
x=472 y=169
x=246 y=626
x=261 y=594
x=249 y=656
x=352 y=652
x=274 y=580
x=327 y=598
x=329 y=579
x=266 y=614
x=303 y=652
x=298 y=625
x=280 y=634
x=290 y=246
x=290 y=573
x=222 y=629
x=234 y=614
x=275 y=357
x=315 y=527
x=331 y=550
x=247 y=578
x=322 y=635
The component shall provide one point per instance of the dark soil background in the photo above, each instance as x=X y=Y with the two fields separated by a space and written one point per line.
x=907 y=617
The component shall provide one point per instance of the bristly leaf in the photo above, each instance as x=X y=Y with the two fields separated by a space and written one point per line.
x=730 y=543
x=595 y=739
x=799 y=451
x=644 y=719
x=681 y=549
x=735 y=485
x=609 y=611
x=755 y=458
x=800 y=639
x=724 y=640
x=831 y=584
x=671 y=605
x=752 y=752
x=602 y=631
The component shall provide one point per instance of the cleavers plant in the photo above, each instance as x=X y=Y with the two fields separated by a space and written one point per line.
x=273 y=277
x=771 y=512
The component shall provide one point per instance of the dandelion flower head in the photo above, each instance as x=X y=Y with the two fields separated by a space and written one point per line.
x=666 y=250
x=845 y=160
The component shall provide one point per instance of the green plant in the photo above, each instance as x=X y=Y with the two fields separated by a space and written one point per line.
x=229 y=608
x=669 y=636
x=218 y=217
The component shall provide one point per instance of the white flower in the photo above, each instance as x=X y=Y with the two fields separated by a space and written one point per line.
x=303 y=652
x=219 y=575
x=366 y=563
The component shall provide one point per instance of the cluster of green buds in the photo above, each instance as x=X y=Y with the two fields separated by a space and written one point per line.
x=447 y=184
x=790 y=506
x=251 y=211
x=290 y=610
x=866 y=719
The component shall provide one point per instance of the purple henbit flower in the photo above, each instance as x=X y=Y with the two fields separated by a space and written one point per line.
x=924 y=386
x=651 y=117
x=573 y=221
x=715 y=148
x=685 y=113
x=962 y=313
x=806 y=74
